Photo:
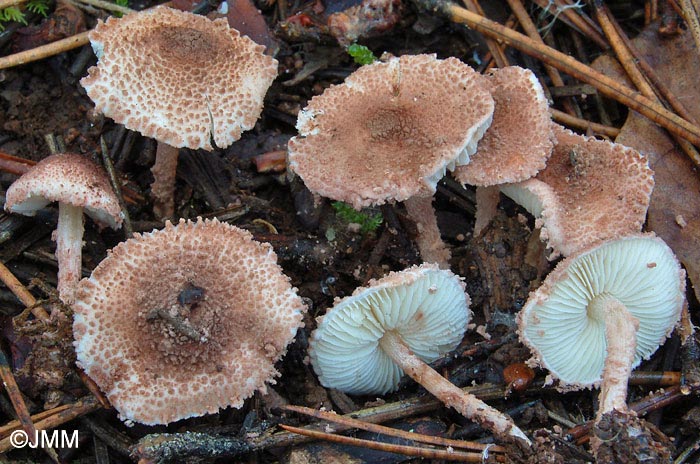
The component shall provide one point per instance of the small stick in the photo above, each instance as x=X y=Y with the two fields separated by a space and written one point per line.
x=21 y=292
x=661 y=379
x=574 y=20
x=663 y=398
x=583 y=124
x=605 y=85
x=45 y=51
x=109 y=6
x=14 y=164
x=497 y=50
x=531 y=30
x=16 y=398
x=690 y=14
x=94 y=389
x=374 y=428
x=615 y=35
x=116 y=186
x=180 y=325
x=389 y=448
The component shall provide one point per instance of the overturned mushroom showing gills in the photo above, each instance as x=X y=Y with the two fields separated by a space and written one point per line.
x=591 y=190
x=390 y=132
x=365 y=343
x=180 y=78
x=184 y=321
x=78 y=185
x=600 y=312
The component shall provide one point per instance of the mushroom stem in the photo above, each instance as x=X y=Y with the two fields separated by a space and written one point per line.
x=163 y=188
x=69 y=245
x=468 y=405
x=621 y=338
x=432 y=248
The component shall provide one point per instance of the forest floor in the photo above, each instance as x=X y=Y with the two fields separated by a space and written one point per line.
x=323 y=254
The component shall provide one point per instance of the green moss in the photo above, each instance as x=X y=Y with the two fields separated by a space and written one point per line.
x=361 y=54
x=367 y=222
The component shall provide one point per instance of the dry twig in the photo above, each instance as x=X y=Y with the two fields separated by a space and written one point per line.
x=604 y=84
x=426 y=453
x=350 y=422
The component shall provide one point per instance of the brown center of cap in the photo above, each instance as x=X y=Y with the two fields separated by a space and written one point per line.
x=176 y=329
x=398 y=126
x=184 y=45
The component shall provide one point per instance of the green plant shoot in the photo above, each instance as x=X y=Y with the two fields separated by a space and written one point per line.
x=361 y=54
x=40 y=7
x=367 y=222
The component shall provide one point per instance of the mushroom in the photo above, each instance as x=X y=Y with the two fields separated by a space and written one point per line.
x=183 y=321
x=396 y=325
x=389 y=133
x=180 y=78
x=600 y=312
x=78 y=185
x=591 y=190
x=519 y=141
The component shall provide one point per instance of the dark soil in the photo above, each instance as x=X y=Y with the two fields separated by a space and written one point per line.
x=324 y=258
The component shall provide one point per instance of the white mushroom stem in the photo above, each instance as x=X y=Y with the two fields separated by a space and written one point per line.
x=432 y=248
x=621 y=338
x=468 y=405
x=163 y=188
x=69 y=246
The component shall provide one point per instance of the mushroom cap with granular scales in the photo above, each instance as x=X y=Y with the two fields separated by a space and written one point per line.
x=220 y=283
x=562 y=322
x=66 y=178
x=178 y=77
x=591 y=190
x=427 y=307
x=391 y=130
x=519 y=141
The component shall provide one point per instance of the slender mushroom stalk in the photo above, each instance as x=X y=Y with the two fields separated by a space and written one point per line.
x=432 y=248
x=163 y=188
x=621 y=339
x=365 y=343
x=78 y=185
x=466 y=404
x=69 y=250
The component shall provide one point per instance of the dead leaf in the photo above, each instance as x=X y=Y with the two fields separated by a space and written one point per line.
x=244 y=16
x=674 y=212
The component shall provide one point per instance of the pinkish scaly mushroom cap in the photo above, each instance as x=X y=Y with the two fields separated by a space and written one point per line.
x=66 y=178
x=519 y=141
x=78 y=185
x=184 y=321
x=391 y=130
x=178 y=77
x=591 y=190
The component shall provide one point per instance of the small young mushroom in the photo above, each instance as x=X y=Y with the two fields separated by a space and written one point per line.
x=78 y=185
x=399 y=323
x=184 y=321
x=600 y=312
x=180 y=78
x=390 y=132
x=591 y=190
